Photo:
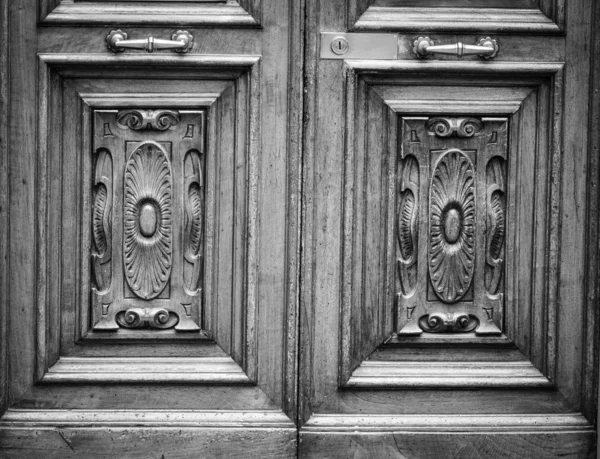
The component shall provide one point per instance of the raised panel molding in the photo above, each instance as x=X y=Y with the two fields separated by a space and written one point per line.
x=545 y=16
x=160 y=177
x=219 y=13
x=442 y=176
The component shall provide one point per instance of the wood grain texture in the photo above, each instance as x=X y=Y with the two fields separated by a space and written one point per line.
x=445 y=446
x=142 y=443
x=24 y=172
x=590 y=377
x=4 y=188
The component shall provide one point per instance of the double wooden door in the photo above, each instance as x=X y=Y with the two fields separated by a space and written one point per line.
x=316 y=228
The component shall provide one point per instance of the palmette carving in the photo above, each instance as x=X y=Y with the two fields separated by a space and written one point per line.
x=138 y=120
x=101 y=220
x=147 y=243
x=408 y=212
x=452 y=226
x=495 y=228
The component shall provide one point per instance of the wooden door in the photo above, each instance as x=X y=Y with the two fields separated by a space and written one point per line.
x=258 y=228
x=152 y=233
x=447 y=304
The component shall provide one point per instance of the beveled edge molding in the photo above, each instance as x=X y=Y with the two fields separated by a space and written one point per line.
x=486 y=374
x=62 y=64
x=355 y=68
x=146 y=418
x=176 y=13
x=466 y=423
x=445 y=19
x=200 y=370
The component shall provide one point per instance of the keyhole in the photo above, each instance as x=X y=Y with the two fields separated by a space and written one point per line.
x=339 y=45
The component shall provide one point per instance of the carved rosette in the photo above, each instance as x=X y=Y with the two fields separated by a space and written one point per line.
x=452 y=226
x=159 y=120
x=495 y=228
x=408 y=212
x=147 y=243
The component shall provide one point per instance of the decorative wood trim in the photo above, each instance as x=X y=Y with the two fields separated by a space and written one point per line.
x=205 y=370
x=146 y=418
x=421 y=375
x=246 y=13
x=549 y=20
x=466 y=423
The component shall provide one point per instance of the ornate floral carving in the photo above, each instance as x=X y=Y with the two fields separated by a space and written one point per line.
x=159 y=120
x=101 y=220
x=147 y=244
x=452 y=226
x=459 y=127
x=147 y=317
x=448 y=322
x=408 y=212
x=495 y=228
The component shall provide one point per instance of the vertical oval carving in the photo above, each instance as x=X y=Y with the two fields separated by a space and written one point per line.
x=194 y=207
x=495 y=229
x=148 y=190
x=408 y=212
x=101 y=220
x=452 y=226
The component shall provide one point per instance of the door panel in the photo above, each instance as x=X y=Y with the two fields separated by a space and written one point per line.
x=153 y=301
x=441 y=235
x=499 y=16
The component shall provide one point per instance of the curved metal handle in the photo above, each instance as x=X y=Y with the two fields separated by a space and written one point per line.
x=181 y=42
x=487 y=48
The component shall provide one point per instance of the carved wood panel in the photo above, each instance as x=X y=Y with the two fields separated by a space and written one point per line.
x=451 y=224
x=147 y=219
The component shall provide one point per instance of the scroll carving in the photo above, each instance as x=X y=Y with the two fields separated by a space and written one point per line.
x=450 y=322
x=408 y=211
x=147 y=243
x=459 y=127
x=101 y=220
x=159 y=120
x=495 y=228
x=147 y=317
x=194 y=206
x=452 y=226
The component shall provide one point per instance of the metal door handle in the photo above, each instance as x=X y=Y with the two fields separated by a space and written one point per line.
x=486 y=48
x=181 y=42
